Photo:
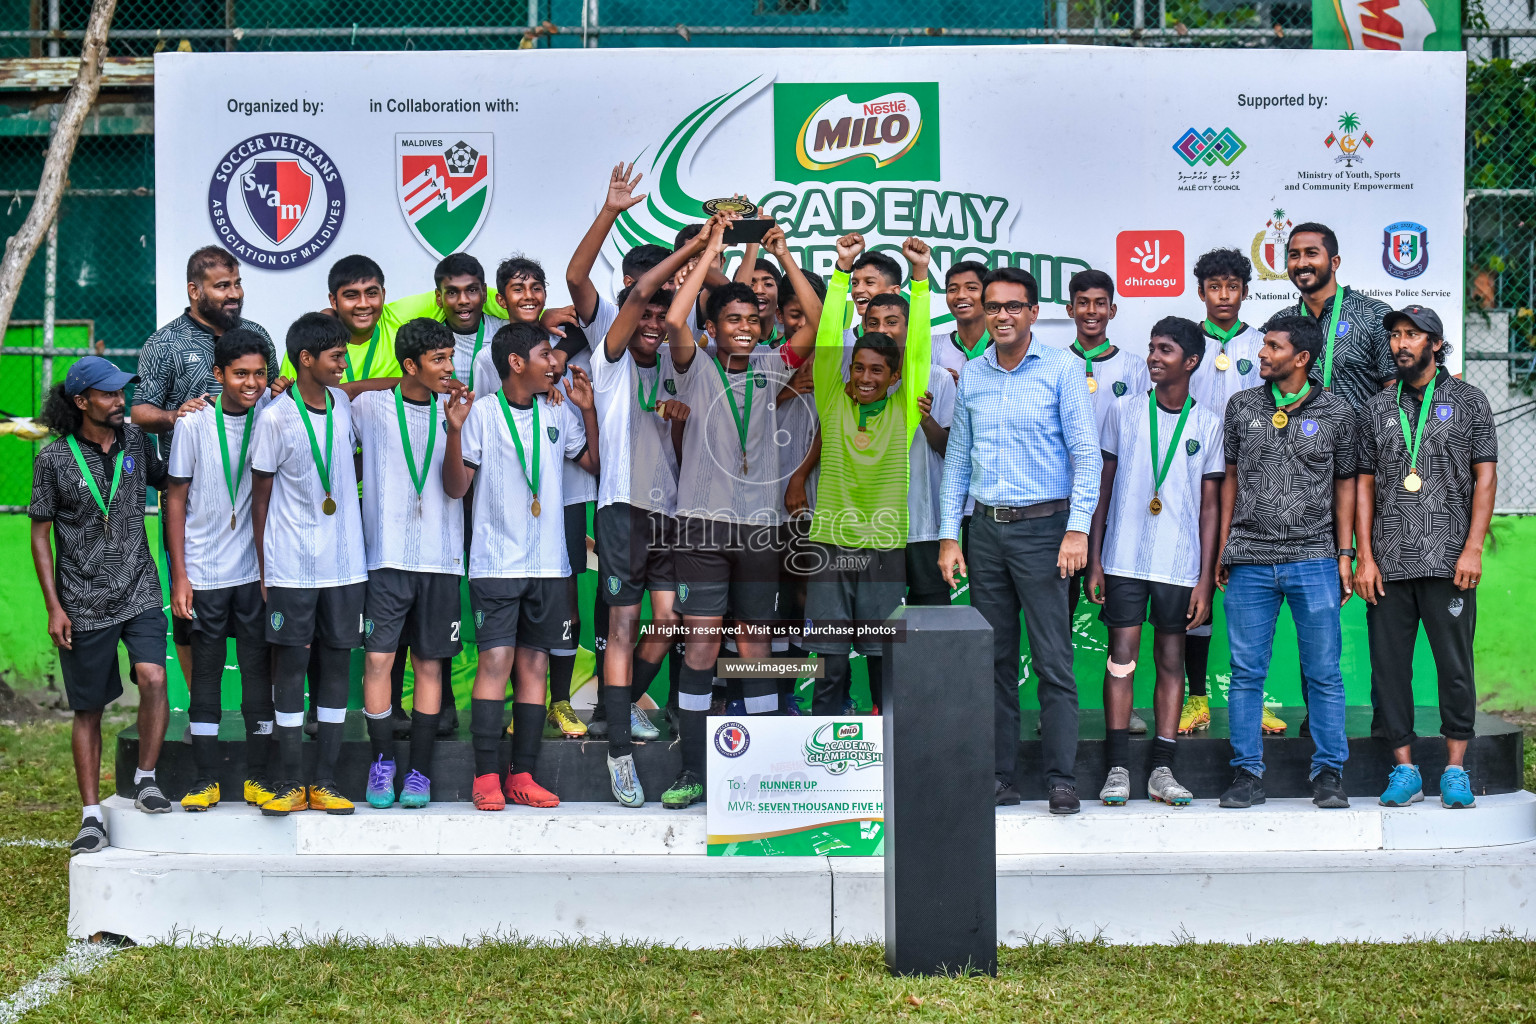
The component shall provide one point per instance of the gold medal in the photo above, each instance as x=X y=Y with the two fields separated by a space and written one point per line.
x=1093 y=385
x=744 y=462
x=231 y=520
x=862 y=440
x=328 y=506
x=1412 y=482
x=743 y=208
x=1279 y=419
x=1155 y=506
x=1222 y=362
x=535 y=508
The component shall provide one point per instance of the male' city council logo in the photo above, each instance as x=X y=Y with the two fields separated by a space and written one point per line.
x=731 y=739
x=1209 y=146
x=276 y=201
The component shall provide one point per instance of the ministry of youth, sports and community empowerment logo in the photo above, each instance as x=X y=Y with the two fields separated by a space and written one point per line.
x=443 y=184
x=1405 y=249
x=276 y=201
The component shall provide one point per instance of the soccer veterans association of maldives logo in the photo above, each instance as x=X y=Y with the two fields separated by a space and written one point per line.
x=276 y=201
x=1405 y=249
x=444 y=187
x=732 y=739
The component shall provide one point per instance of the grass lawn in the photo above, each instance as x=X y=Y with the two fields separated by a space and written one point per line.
x=1049 y=981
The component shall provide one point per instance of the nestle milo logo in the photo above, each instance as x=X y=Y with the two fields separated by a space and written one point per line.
x=856 y=131
x=838 y=746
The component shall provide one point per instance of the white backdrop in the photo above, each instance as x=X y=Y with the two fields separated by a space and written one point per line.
x=1134 y=161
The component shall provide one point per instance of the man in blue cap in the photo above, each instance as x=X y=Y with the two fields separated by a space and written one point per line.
x=103 y=589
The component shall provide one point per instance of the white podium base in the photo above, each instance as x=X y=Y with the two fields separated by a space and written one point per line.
x=1141 y=873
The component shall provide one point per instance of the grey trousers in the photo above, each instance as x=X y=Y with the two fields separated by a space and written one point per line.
x=1013 y=568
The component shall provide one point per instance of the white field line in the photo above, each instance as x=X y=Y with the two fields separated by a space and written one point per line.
x=79 y=958
x=46 y=844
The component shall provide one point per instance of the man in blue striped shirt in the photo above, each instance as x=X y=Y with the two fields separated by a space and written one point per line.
x=1023 y=443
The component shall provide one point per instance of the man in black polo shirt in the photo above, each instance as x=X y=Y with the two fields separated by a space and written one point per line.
x=1428 y=471
x=1355 y=362
x=88 y=488
x=176 y=365
x=1287 y=515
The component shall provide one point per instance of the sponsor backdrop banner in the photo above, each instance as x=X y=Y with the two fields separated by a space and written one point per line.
x=796 y=786
x=1134 y=161
x=1386 y=25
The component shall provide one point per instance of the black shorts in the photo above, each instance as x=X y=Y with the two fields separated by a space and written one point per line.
x=330 y=616
x=636 y=549
x=923 y=577
x=724 y=565
x=532 y=613
x=419 y=610
x=89 y=668
x=236 y=611
x=1126 y=601
x=181 y=629
x=576 y=536
x=854 y=585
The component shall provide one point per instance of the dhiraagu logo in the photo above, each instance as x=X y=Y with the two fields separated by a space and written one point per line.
x=856 y=131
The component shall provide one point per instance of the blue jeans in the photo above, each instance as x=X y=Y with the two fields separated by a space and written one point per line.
x=1252 y=606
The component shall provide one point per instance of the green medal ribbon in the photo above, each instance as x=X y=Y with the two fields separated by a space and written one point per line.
x=773 y=340
x=322 y=465
x=475 y=356
x=90 y=480
x=1411 y=441
x=743 y=419
x=1333 y=332
x=870 y=411
x=1160 y=473
x=648 y=404
x=418 y=479
x=1221 y=335
x=1091 y=354
x=232 y=479
x=978 y=349
x=517 y=442
x=1282 y=399
x=373 y=343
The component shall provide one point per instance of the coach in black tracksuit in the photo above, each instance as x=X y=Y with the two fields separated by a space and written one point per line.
x=1428 y=471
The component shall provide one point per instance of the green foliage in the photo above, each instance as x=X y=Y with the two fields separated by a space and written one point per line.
x=1501 y=124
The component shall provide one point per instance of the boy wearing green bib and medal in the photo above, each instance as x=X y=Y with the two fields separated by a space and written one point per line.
x=1152 y=548
x=355 y=289
x=214 y=580
x=309 y=546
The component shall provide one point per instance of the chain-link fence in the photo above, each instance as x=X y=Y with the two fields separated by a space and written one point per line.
x=104 y=277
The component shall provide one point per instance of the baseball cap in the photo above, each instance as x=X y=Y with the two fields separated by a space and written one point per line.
x=1422 y=317
x=96 y=372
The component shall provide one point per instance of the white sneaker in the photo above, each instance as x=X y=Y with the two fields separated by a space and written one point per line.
x=1117 y=788
x=640 y=725
x=1138 y=726
x=1162 y=786
x=624 y=782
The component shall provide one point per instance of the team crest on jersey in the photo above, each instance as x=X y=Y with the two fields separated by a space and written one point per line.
x=444 y=187
x=1192 y=446
x=1245 y=366
x=128 y=463
x=670 y=385
x=276 y=201
x=761 y=380
x=682 y=591
x=1343 y=329
x=277 y=621
x=1119 y=389
x=1308 y=428
x=479 y=618
x=1442 y=413
x=367 y=627
x=613 y=584
x=554 y=433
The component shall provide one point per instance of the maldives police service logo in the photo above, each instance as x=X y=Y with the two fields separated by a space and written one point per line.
x=1405 y=249
x=732 y=739
x=443 y=183
x=276 y=201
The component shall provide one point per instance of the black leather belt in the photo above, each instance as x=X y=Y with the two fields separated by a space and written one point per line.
x=1039 y=510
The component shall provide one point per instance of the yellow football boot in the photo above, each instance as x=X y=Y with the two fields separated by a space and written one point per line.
x=201 y=797
x=288 y=796
x=1273 y=724
x=258 y=792
x=1196 y=716
x=327 y=799
x=562 y=719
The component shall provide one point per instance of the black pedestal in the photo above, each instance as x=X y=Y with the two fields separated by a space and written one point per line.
x=940 y=828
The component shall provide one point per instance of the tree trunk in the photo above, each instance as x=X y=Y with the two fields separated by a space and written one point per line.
x=22 y=246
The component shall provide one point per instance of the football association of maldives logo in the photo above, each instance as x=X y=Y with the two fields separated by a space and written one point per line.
x=444 y=187
x=276 y=201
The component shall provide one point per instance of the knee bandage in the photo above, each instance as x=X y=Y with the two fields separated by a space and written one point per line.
x=1120 y=671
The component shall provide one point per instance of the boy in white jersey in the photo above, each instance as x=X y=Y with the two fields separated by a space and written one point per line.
x=1230 y=365
x=414 y=538
x=1152 y=547
x=728 y=496
x=956 y=344
x=309 y=543
x=634 y=381
x=514 y=442
x=214 y=581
